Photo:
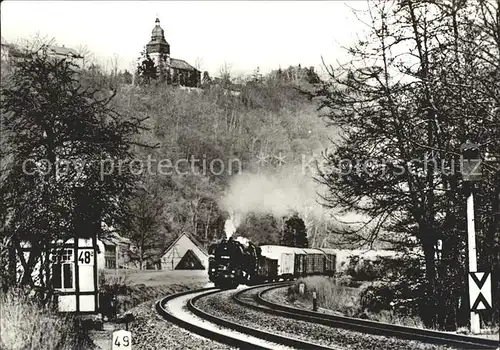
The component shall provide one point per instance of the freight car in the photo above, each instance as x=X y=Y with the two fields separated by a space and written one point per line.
x=298 y=262
x=232 y=263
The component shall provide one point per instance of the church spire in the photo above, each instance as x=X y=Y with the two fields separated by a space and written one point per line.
x=158 y=44
x=157 y=33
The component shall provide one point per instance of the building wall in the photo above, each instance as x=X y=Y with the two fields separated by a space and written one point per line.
x=5 y=53
x=63 y=267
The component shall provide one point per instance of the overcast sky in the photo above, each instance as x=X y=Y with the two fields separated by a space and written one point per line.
x=245 y=35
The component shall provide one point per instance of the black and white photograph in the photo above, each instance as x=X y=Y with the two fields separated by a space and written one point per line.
x=225 y=175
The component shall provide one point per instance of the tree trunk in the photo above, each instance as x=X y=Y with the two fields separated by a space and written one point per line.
x=141 y=252
x=428 y=310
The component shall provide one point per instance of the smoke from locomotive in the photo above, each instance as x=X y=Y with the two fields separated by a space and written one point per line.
x=231 y=224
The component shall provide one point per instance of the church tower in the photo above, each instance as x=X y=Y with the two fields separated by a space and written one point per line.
x=158 y=48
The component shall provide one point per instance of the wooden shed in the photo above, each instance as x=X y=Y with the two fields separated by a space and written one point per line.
x=185 y=253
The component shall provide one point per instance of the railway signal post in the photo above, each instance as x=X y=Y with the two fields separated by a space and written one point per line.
x=471 y=172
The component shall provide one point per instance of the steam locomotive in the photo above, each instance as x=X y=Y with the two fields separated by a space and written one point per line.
x=232 y=263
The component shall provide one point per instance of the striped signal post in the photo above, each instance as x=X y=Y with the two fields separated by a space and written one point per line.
x=471 y=172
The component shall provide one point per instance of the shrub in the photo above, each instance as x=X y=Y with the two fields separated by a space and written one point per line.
x=330 y=294
x=399 y=297
x=27 y=325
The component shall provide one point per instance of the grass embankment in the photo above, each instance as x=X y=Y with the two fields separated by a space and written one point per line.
x=346 y=300
x=156 y=277
x=133 y=287
x=27 y=325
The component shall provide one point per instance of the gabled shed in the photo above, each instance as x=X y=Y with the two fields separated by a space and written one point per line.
x=185 y=253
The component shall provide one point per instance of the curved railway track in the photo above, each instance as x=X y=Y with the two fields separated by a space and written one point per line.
x=221 y=330
x=249 y=298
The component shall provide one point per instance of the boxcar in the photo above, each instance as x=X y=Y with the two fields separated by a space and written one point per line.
x=284 y=256
x=268 y=269
x=330 y=261
x=300 y=263
x=315 y=261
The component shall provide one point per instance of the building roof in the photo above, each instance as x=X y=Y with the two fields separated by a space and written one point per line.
x=181 y=64
x=157 y=35
x=198 y=244
x=114 y=239
x=64 y=51
x=4 y=42
x=157 y=30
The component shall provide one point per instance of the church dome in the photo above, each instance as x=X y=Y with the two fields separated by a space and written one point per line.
x=158 y=44
x=157 y=32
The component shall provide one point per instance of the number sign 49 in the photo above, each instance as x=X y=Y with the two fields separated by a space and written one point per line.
x=86 y=257
x=122 y=340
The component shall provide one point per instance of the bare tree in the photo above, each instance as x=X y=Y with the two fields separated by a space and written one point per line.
x=86 y=54
x=114 y=62
x=225 y=74
x=35 y=42
x=198 y=63
x=415 y=90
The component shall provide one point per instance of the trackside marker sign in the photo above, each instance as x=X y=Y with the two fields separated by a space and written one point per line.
x=479 y=290
x=122 y=340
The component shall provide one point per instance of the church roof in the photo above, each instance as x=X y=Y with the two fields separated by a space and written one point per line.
x=181 y=64
x=157 y=34
x=157 y=30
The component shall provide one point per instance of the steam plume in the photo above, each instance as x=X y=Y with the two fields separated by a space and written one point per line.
x=231 y=224
x=243 y=240
x=278 y=193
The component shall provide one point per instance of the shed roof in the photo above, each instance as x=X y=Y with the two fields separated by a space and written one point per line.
x=198 y=244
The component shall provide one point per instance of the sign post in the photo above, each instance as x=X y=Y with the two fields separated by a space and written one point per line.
x=471 y=172
x=471 y=243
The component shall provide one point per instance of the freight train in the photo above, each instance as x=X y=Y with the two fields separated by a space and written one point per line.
x=232 y=263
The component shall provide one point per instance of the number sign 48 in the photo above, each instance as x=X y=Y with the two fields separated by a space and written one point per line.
x=86 y=257
x=122 y=340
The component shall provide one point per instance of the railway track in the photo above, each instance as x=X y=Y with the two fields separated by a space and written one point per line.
x=253 y=298
x=173 y=308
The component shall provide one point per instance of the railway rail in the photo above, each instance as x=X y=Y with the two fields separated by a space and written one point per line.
x=366 y=326
x=245 y=337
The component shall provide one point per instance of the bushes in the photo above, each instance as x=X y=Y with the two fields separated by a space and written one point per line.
x=330 y=294
x=27 y=325
x=392 y=302
x=378 y=268
x=402 y=289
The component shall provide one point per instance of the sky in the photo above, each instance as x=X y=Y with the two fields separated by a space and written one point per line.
x=241 y=34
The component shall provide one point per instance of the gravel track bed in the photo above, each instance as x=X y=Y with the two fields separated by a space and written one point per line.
x=222 y=305
x=151 y=332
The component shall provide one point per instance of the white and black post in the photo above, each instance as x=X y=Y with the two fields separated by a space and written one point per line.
x=471 y=244
x=471 y=172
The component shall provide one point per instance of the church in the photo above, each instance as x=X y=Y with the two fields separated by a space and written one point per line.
x=177 y=71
